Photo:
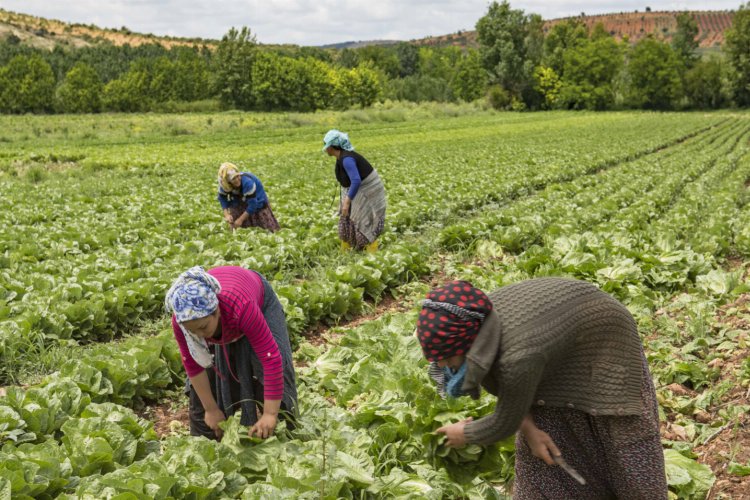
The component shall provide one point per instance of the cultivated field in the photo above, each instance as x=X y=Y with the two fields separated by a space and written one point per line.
x=100 y=213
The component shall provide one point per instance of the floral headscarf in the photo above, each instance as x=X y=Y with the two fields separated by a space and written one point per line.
x=227 y=173
x=337 y=138
x=193 y=295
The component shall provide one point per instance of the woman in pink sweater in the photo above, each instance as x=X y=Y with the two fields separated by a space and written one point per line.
x=229 y=319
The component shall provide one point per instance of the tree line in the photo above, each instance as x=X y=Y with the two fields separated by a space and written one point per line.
x=571 y=67
x=239 y=73
x=517 y=66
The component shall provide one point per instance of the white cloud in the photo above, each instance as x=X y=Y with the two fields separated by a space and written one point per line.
x=306 y=22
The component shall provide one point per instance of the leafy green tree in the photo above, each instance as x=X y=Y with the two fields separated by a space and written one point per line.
x=191 y=80
x=737 y=49
x=324 y=55
x=348 y=58
x=319 y=84
x=563 y=36
x=548 y=84
x=81 y=90
x=162 y=84
x=470 y=80
x=27 y=84
x=408 y=59
x=233 y=68
x=654 y=75
x=444 y=74
x=590 y=71
x=269 y=82
x=419 y=88
x=290 y=84
x=382 y=58
x=129 y=93
x=358 y=86
x=9 y=51
x=439 y=62
x=511 y=45
x=599 y=32
x=498 y=98
x=684 y=42
x=705 y=84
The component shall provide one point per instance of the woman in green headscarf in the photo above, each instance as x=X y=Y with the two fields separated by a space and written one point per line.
x=362 y=208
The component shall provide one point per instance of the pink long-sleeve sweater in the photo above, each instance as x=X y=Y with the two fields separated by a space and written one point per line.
x=240 y=303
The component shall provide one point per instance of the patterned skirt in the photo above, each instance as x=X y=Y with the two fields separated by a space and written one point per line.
x=620 y=457
x=366 y=215
x=349 y=233
x=262 y=218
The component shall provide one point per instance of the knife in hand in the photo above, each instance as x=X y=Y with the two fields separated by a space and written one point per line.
x=570 y=470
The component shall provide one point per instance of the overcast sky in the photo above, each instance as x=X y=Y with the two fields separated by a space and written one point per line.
x=307 y=22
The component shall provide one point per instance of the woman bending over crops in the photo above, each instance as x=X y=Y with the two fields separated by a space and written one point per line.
x=362 y=208
x=243 y=199
x=567 y=365
x=229 y=319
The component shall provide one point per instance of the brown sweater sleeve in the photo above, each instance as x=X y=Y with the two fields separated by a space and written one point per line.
x=519 y=383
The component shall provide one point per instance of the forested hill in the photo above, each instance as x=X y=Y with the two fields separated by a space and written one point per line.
x=46 y=33
x=633 y=25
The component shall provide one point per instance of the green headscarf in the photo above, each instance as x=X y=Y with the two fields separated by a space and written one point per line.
x=338 y=139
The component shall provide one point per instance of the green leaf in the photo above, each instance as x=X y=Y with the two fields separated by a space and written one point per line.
x=686 y=477
x=739 y=469
x=355 y=470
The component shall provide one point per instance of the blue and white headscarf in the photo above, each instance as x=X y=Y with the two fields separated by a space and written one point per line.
x=193 y=295
x=337 y=138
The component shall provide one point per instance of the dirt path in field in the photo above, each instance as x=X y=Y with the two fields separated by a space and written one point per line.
x=322 y=334
x=732 y=441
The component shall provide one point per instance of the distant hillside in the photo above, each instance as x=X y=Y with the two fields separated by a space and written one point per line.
x=356 y=45
x=46 y=33
x=633 y=25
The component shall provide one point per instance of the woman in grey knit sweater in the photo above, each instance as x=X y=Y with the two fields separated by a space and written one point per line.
x=567 y=365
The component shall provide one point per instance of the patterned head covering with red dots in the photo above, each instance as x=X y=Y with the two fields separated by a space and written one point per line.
x=450 y=319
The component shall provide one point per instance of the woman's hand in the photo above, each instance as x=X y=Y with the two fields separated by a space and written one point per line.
x=454 y=433
x=540 y=442
x=239 y=221
x=213 y=418
x=264 y=427
x=229 y=219
x=345 y=206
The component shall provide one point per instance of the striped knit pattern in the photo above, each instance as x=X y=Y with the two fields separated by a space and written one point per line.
x=563 y=343
x=436 y=373
x=240 y=303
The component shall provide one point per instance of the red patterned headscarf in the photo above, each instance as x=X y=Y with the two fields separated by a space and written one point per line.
x=450 y=319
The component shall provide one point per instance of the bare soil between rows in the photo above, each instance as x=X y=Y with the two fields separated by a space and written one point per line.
x=730 y=442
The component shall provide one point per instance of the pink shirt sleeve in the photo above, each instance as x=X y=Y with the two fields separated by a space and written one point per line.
x=192 y=368
x=253 y=325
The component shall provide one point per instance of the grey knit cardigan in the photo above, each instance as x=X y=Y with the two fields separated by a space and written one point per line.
x=553 y=342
